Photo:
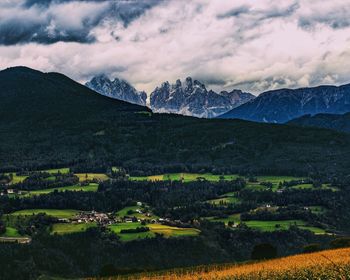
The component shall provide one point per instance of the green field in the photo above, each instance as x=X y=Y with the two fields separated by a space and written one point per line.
x=57 y=170
x=11 y=232
x=275 y=180
x=311 y=187
x=267 y=225
x=124 y=212
x=16 y=179
x=71 y=228
x=317 y=209
x=236 y=218
x=185 y=177
x=283 y=225
x=224 y=200
x=60 y=214
x=91 y=176
x=167 y=231
x=89 y=188
x=116 y=228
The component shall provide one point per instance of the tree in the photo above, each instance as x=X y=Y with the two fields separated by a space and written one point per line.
x=310 y=248
x=230 y=223
x=263 y=251
x=2 y=228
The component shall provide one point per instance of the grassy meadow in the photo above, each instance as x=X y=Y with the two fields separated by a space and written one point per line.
x=185 y=177
x=89 y=188
x=268 y=225
x=91 y=176
x=282 y=225
x=65 y=228
x=133 y=213
x=58 y=213
x=11 y=232
x=165 y=230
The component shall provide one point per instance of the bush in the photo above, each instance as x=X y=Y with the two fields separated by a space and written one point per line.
x=311 y=248
x=135 y=230
x=340 y=242
x=263 y=251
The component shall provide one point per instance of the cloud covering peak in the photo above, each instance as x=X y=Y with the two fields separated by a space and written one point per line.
x=252 y=45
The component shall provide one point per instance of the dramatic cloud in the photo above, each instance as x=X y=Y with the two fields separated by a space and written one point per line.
x=252 y=45
x=51 y=21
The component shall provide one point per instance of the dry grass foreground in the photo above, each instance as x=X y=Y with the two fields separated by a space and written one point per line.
x=325 y=265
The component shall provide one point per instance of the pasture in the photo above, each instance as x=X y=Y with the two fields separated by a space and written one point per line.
x=282 y=225
x=116 y=228
x=92 y=176
x=11 y=232
x=131 y=211
x=165 y=230
x=89 y=188
x=224 y=200
x=58 y=213
x=169 y=231
x=57 y=170
x=185 y=177
x=236 y=218
x=67 y=228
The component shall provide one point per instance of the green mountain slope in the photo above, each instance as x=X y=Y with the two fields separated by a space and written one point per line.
x=48 y=120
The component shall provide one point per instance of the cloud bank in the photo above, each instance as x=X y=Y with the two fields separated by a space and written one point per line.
x=251 y=45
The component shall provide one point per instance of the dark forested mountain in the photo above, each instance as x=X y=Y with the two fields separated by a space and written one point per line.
x=191 y=98
x=279 y=106
x=118 y=89
x=331 y=121
x=48 y=120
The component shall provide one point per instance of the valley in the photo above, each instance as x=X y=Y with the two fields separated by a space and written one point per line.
x=84 y=175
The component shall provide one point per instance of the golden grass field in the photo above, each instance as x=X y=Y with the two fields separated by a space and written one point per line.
x=325 y=265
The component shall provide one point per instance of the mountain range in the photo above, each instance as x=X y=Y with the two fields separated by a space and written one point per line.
x=118 y=89
x=279 y=106
x=191 y=98
x=48 y=120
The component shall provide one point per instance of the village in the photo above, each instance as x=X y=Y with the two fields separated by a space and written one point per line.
x=139 y=214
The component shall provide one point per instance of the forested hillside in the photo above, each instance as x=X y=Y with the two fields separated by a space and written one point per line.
x=48 y=120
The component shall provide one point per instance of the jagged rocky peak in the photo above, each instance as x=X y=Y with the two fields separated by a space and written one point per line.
x=193 y=99
x=118 y=89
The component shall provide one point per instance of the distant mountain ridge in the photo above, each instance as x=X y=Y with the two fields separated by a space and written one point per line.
x=118 y=89
x=279 y=106
x=330 y=121
x=191 y=98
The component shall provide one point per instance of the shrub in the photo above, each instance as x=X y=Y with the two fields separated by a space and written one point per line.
x=340 y=242
x=263 y=251
x=311 y=248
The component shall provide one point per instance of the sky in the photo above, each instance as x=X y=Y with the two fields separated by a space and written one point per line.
x=250 y=45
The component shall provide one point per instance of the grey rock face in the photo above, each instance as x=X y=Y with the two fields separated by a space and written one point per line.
x=280 y=106
x=191 y=98
x=118 y=89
